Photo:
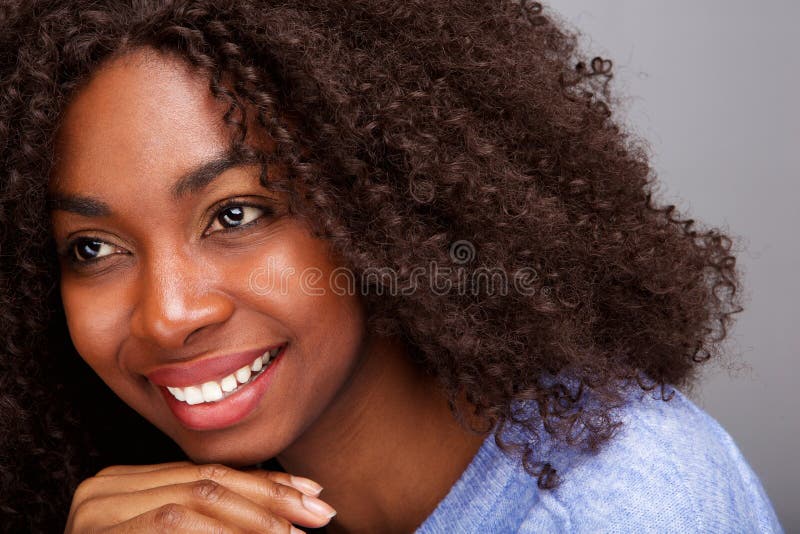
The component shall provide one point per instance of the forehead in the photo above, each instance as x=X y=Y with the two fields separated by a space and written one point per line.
x=142 y=115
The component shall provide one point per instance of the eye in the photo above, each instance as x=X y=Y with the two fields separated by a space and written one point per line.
x=236 y=215
x=87 y=250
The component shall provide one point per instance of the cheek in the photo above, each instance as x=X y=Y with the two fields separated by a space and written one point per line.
x=94 y=325
x=334 y=330
x=296 y=283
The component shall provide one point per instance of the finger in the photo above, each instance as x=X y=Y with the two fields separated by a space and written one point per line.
x=127 y=469
x=204 y=496
x=306 y=485
x=172 y=518
x=287 y=501
x=258 y=486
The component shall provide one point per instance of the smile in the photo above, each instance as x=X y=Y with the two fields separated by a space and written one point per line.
x=221 y=403
x=216 y=390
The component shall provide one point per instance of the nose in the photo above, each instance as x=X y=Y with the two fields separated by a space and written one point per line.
x=177 y=299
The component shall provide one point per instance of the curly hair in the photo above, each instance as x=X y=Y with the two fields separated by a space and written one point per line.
x=414 y=125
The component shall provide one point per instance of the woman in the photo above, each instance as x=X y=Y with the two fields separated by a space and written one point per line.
x=398 y=250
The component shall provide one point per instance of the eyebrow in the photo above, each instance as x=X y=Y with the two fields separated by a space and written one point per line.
x=188 y=184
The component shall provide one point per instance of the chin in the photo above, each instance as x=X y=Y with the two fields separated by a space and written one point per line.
x=206 y=450
x=231 y=460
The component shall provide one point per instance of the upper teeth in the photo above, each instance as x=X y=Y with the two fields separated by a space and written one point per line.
x=215 y=390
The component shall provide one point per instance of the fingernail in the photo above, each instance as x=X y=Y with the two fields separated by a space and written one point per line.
x=306 y=485
x=317 y=507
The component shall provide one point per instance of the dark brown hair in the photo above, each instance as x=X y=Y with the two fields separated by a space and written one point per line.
x=423 y=124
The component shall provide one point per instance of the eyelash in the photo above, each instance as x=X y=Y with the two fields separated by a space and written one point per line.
x=69 y=248
x=266 y=211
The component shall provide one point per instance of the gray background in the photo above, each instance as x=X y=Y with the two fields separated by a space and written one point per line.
x=713 y=86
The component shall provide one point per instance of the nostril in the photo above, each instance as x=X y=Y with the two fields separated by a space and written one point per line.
x=171 y=319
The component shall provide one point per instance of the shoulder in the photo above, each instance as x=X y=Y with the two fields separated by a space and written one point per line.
x=671 y=467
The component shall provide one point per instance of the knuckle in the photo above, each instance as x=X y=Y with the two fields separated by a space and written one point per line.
x=278 y=491
x=212 y=471
x=208 y=491
x=80 y=519
x=169 y=517
x=275 y=477
x=271 y=523
x=87 y=514
x=110 y=470
x=84 y=490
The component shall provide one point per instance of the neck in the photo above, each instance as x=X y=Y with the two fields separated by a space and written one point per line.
x=388 y=449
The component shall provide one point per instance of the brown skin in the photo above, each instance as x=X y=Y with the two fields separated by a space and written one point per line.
x=169 y=291
x=184 y=497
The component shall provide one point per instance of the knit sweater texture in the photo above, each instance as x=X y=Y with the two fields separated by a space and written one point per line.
x=671 y=467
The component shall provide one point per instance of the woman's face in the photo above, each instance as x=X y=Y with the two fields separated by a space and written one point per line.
x=179 y=269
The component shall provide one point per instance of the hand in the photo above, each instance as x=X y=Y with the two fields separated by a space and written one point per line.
x=185 y=497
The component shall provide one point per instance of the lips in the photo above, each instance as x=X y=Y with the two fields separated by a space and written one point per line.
x=204 y=370
x=230 y=410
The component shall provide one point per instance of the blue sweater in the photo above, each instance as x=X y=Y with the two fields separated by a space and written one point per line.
x=670 y=468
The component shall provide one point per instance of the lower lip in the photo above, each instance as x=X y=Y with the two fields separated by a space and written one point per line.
x=228 y=411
